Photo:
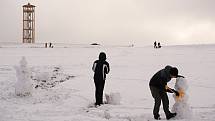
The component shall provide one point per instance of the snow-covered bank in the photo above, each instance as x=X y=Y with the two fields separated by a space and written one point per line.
x=131 y=69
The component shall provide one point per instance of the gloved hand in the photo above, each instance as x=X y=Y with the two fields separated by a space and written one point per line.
x=176 y=93
x=167 y=89
x=170 y=90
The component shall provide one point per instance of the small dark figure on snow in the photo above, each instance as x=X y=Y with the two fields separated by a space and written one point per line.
x=155 y=44
x=158 y=87
x=51 y=45
x=46 y=45
x=159 y=45
x=100 y=68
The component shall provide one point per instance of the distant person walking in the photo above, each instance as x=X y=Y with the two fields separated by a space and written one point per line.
x=158 y=87
x=159 y=45
x=51 y=45
x=46 y=45
x=155 y=44
x=100 y=68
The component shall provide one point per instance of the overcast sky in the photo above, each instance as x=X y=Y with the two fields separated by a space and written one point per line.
x=113 y=21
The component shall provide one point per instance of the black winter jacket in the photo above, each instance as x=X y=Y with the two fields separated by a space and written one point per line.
x=101 y=68
x=160 y=79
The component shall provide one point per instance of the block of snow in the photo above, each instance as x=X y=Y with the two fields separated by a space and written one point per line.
x=23 y=86
x=113 y=98
x=181 y=106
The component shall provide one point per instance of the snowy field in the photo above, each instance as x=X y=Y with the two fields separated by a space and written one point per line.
x=70 y=90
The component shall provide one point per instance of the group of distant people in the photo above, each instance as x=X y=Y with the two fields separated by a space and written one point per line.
x=157 y=85
x=50 y=45
x=157 y=45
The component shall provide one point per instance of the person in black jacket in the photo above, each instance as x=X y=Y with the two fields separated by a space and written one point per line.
x=158 y=87
x=155 y=44
x=100 y=68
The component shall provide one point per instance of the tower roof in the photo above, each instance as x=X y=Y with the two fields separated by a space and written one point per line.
x=28 y=5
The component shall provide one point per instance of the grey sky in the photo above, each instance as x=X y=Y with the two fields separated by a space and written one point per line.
x=113 y=21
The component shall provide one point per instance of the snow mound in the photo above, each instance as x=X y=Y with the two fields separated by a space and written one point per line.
x=113 y=98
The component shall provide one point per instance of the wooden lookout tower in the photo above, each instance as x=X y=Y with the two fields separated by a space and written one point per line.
x=28 y=23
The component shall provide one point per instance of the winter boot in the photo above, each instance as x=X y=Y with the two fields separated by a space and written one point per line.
x=157 y=117
x=171 y=115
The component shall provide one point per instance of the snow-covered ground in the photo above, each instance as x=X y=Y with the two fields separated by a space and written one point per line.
x=71 y=88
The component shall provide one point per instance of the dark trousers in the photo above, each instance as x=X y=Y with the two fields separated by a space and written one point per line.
x=99 y=91
x=159 y=96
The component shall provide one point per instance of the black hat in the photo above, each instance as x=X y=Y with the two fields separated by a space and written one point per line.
x=102 y=56
x=174 y=71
